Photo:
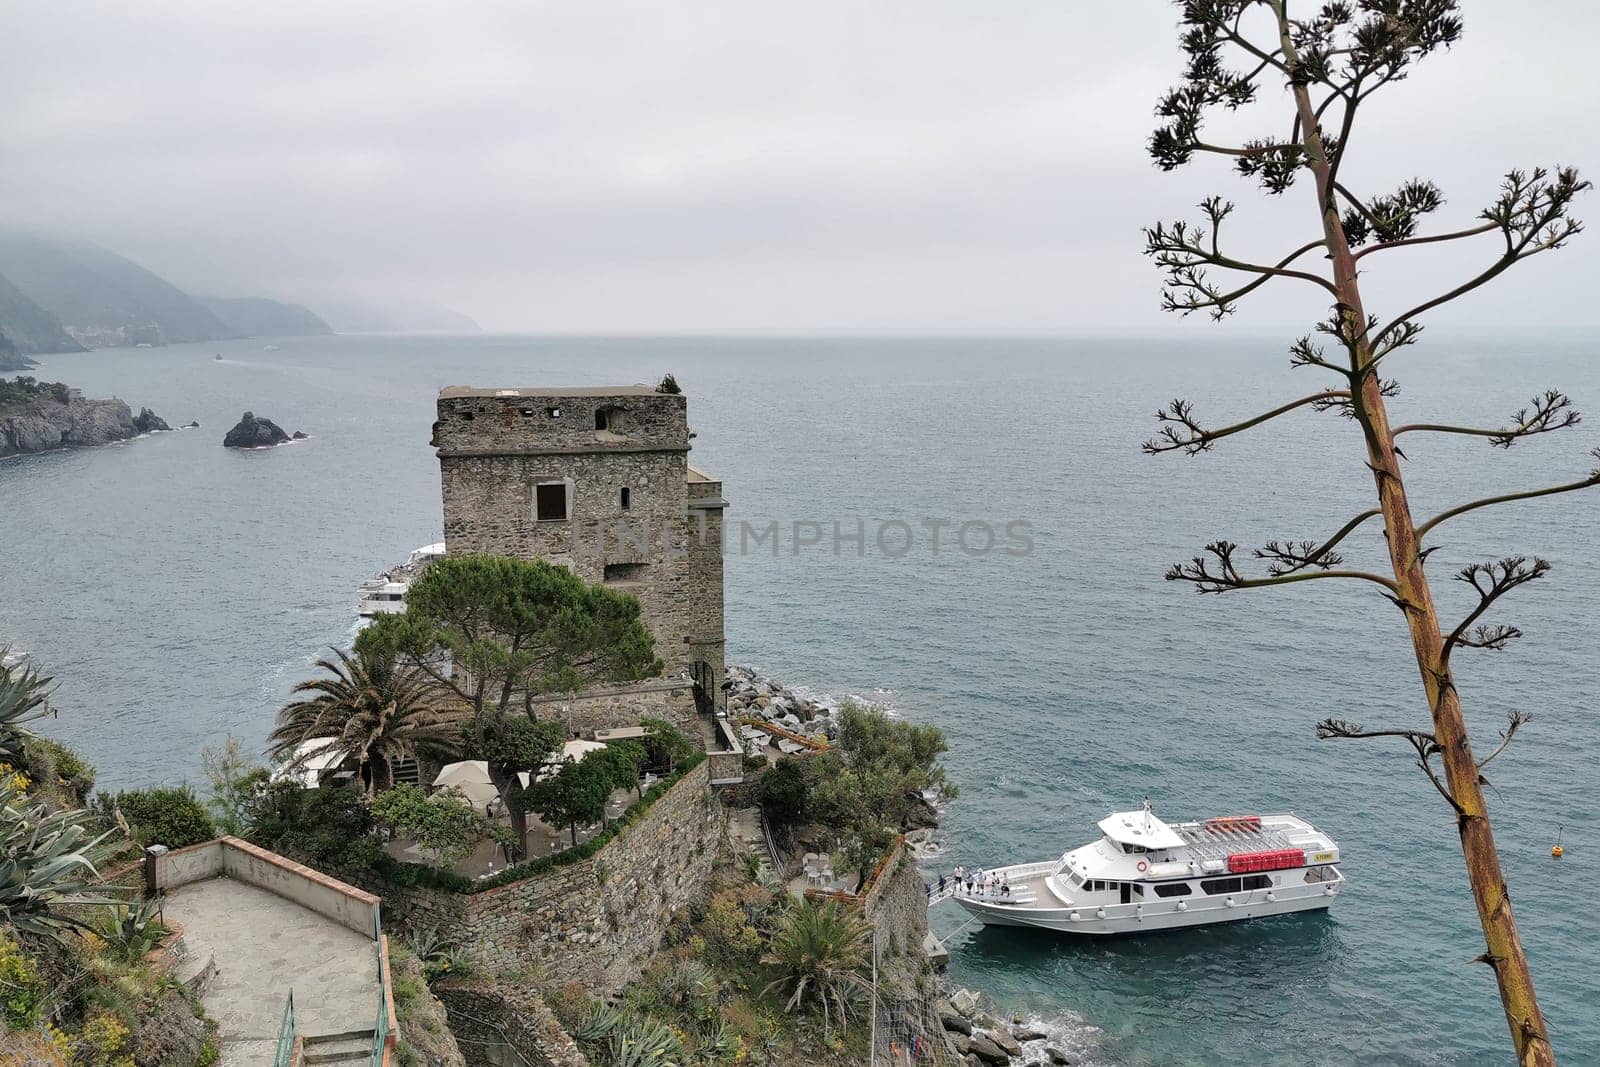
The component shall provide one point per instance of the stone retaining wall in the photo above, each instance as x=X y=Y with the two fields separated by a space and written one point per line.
x=484 y=1015
x=594 y=921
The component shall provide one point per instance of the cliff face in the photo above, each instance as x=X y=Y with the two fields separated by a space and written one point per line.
x=27 y=328
x=257 y=317
x=45 y=423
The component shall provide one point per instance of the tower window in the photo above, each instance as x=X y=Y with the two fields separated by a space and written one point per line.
x=550 y=502
x=625 y=498
x=554 y=413
x=602 y=419
x=626 y=572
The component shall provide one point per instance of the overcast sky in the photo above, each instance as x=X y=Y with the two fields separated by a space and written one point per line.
x=723 y=164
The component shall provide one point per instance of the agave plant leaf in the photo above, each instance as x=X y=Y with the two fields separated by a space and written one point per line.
x=48 y=866
x=24 y=697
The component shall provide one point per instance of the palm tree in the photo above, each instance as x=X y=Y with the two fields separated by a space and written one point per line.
x=373 y=711
x=820 y=953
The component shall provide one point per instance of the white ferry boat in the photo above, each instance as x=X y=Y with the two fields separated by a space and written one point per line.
x=386 y=594
x=1144 y=874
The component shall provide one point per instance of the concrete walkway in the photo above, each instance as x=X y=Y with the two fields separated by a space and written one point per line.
x=265 y=946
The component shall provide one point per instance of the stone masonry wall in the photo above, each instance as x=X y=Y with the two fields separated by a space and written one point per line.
x=594 y=921
x=896 y=906
x=605 y=708
x=483 y=1015
x=494 y=450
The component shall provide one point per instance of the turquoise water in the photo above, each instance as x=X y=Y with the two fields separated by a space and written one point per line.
x=179 y=589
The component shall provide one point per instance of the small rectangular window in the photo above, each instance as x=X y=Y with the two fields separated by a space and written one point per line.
x=625 y=498
x=1217 y=886
x=626 y=572
x=1258 y=881
x=601 y=418
x=550 y=502
x=1173 y=889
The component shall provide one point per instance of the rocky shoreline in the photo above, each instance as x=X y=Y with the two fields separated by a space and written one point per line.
x=979 y=1035
x=972 y=1024
x=46 y=424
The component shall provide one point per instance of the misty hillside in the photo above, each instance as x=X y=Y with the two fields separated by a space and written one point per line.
x=259 y=317
x=355 y=315
x=102 y=298
x=27 y=328
x=10 y=360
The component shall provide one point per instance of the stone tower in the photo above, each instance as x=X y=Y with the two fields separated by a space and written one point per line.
x=597 y=480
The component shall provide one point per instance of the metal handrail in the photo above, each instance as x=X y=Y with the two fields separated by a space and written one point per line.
x=286 y=1034
x=380 y=1031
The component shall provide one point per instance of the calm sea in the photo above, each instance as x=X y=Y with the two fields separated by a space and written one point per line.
x=179 y=589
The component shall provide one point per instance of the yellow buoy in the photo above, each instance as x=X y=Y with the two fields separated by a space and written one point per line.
x=1555 y=850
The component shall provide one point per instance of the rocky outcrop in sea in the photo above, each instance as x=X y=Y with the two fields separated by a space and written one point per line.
x=46 y=423
x=253 y=432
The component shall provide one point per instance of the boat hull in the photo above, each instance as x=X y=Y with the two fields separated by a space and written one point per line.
x=1147 y=918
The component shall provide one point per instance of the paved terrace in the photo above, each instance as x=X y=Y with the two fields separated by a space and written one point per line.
x=271 y=926
x=264 y=946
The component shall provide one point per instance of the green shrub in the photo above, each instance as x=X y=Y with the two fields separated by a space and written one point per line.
x=330 y=825
x=783 y=792
x=443 y=823
x=51 y=761
x=22 y=991
x=171 y=816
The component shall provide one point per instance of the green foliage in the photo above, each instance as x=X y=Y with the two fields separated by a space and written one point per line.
x=574 y=796
x=729 y=932
x=25 y=389
x=131 y=930
x=620 y=762
x=522 y=743
x=330 y=826
x=51 y=761
x=375 y=710
x=529 y=623
x=819 y=952
x=235 y=779
x=442 y=823
x=24 y=696
x=47 y=866
x=867 y=786
x=510 y=629
x=416 y=874
x=169 y=815
x=615 y=1038
x=783 y=794
x=669 y=384
x=665 y=744
x=22 y=991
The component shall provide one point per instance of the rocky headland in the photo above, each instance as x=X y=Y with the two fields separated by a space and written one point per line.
x=253 y=432
x=44 y=416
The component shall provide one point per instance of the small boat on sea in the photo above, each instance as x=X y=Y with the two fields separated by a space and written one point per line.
x=386 y=594
x=1145 y=874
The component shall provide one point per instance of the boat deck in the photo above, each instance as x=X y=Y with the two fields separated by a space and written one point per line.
x=1029 y=892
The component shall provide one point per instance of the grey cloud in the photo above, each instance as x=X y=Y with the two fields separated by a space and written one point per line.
x=720 y=164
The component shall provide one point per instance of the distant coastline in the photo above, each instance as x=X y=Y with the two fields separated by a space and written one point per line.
x=48 y=416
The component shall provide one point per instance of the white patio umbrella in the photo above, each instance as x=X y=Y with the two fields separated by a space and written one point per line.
x=309 y=759
x=471 y=779
x=571 y=752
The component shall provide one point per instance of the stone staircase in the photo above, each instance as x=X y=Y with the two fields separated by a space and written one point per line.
x=746 y=825
x=352 y=1046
